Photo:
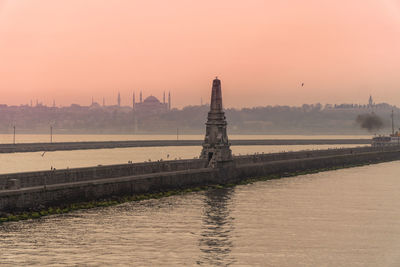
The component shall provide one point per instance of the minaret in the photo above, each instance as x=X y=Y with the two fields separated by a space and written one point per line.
x=169 y=100
x=164 y=97
x=119 y=99
x=370 y=101
x=133 y=101
x=141 y=99
x=216 y=147
x=104 y=102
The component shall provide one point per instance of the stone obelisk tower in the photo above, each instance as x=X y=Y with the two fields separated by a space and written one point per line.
x=216 y=145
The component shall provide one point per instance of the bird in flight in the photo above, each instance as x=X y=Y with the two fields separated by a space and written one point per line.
x=302 y=84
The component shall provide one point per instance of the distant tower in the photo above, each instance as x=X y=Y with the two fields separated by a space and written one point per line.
x=133 y=100
x=392 y=116
x=104 y=102
x=92 y=101
x=135 y=123
x=164 y=97
x=169 y=100
x=141 y=97
x=370 y=101
x=216 y=147
x=119 y=99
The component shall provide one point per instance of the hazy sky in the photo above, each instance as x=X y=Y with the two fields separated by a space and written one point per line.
x=71 y=50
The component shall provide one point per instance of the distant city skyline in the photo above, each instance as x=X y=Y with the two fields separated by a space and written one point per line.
x=262 y=50
x=168 y=103
x=102 y=101
x=126 y=100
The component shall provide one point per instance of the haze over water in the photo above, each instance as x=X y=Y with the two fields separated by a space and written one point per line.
x=347 y=217
x=84 y=67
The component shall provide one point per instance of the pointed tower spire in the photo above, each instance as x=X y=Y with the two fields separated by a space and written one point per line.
x=169 y=100
x=119 y=99
x=133 y=100
x=164 y=98
x=104 y=102
x=216 y=96
x=216 y=147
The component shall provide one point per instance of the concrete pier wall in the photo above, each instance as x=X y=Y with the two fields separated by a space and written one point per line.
x=304 y=154
x=34 y=147
x=302 y=164
x=39 y=196
x=59 y=194
x=30 y=179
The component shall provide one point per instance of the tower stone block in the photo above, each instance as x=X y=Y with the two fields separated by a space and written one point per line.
x=216 y=146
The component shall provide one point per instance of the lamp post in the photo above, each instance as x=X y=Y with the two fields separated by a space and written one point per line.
x=51 y=133
x=14 y=134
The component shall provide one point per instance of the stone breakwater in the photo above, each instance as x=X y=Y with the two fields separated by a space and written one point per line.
x=38 y=190
x=35 y=147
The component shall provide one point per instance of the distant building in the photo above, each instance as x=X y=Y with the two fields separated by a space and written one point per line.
x=169 y=100
x=371 y=103
x=369 y=106
x=151 y=104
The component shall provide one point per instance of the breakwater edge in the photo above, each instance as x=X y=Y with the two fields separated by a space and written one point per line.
x=37 y=190
x=66 y=146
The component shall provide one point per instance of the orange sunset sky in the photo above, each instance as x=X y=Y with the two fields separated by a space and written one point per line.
x=71 y=50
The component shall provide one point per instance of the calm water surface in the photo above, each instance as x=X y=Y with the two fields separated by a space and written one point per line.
x=347 y=217
x=34 y=161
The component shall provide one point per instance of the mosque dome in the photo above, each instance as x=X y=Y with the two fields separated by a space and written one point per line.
x=151 y=99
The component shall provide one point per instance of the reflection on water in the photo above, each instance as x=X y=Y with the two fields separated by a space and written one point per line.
x=347 y=217
x=215 y=241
